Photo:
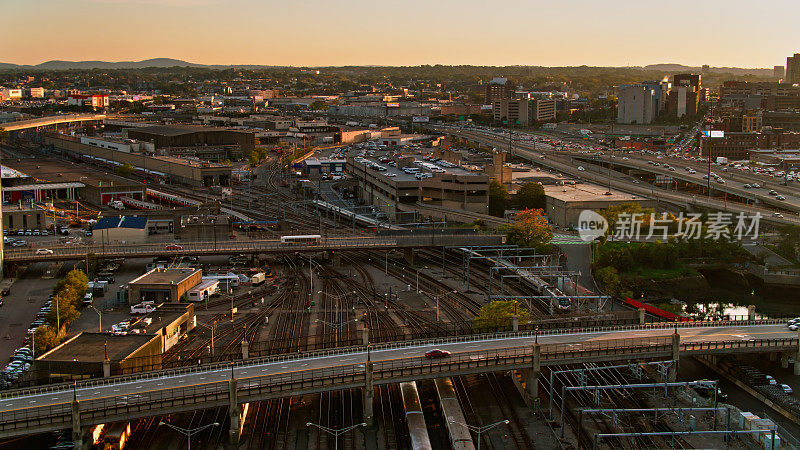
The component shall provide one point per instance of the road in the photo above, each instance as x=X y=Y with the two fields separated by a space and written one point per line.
x=407 y=354
x=355 y=242
x=565 y=162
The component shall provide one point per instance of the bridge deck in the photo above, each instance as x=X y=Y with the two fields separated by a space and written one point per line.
x=63 y=253
x=48 y=408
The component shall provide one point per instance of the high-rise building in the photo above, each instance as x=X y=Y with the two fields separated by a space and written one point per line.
x=793 y=69
x=778 y=72
x=498 y=89
x=685 y=95
x=636 y=103
x=525 y=111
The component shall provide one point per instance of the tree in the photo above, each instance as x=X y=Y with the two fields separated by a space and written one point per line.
x=318 y=106
x=530 y=195
x=498 y=314
x=530 y=229
x=608 y=277
x=44 y=338
x=498 y=198
x=125 y=170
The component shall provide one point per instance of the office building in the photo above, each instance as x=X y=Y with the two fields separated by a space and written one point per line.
x=685 y=95
x=778 y=72
x=524 y=112
x=498 y=89
x=636 y=104
x=793 y=69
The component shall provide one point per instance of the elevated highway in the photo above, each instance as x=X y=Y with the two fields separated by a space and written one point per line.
x=562 y=161
x=48 y=121
x=34 y=410
x=222 y=247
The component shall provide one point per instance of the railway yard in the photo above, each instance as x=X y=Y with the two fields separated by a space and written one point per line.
x=316 y=301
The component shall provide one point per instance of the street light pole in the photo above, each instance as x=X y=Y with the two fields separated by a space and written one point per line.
x=479 y=430
x=100 y=317
x=336 y=433
x=189 y=432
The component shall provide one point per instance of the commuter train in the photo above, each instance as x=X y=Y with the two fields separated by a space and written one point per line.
x=303 y=239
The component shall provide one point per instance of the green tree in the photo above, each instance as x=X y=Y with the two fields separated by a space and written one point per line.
x=608 y=277
x=498 y=314
x=125 y=170
x=530 y=195
x=498 y=199
x=65 y=312
x=318 y=106
x=530 y=229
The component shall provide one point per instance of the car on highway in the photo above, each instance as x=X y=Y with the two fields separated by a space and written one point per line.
x=44 y=251
x=773 y=192
x=771 y=380
x=581 y=168
x=747 y=186
x=173 y=247
x=437 y=353
x=778 y=215
x=756 y=185
x=787 y=389
x=781 y=198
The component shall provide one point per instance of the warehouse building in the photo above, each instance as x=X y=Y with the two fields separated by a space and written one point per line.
x=165 y=136
x=163 y=285
x=121 y=229
x=162 y=169
x=565 y=203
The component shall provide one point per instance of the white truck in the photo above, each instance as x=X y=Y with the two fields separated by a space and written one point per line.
x=143 y=308
x=722 y=160
x=116 y=204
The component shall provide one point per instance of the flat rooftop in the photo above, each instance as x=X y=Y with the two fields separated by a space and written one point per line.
x=408 y=161
x=60 y=171
x=91 y=347
x=189 y=162
x=178 y=130
x=165 y=276
x=588 y=193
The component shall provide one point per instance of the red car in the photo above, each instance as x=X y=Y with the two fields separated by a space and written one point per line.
x=437 y=353
x=173 y=247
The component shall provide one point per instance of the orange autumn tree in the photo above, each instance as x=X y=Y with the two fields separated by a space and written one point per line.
x=530 y=229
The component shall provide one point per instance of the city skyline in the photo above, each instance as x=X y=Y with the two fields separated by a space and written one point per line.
x=357 y=32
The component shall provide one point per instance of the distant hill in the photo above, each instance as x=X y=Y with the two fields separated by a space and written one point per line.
x=169 y=62
x=84 y=65
x=732 y=70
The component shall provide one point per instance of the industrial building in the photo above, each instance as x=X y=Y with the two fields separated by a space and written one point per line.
x=565 y=203
x=121 y=229
x=156 y=168
x=525 y=111
x=164 y=136
x=50 y=178
x=443 y=185
x=163 y=285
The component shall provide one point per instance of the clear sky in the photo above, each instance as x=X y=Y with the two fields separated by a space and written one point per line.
x=403 y=32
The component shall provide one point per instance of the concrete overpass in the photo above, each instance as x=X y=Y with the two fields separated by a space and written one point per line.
x=36 y=410
x=48 y=121
x=223 y=247
x=560 y=161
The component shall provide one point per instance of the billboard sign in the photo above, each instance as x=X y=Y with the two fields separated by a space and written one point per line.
x=714 y=133
x=420 y=119
x=393 y=105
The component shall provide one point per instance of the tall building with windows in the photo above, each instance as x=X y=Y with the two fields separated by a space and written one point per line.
x=498 y=89
x=637 y=103
x=793 y=69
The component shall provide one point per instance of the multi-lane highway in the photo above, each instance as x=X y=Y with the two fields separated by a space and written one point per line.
x=564 y=161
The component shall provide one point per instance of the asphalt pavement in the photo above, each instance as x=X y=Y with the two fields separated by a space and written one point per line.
x=135 y=387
